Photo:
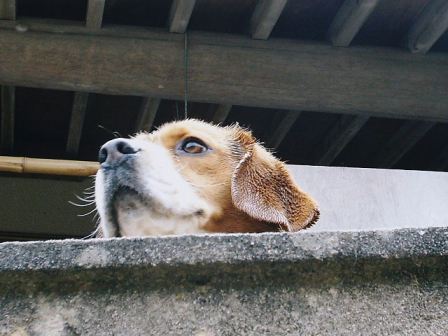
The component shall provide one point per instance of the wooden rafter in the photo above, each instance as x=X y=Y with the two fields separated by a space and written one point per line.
x=402 y=142
x=265 y=17
x=8 y=9
x=79 y=109
x=180 y=14
x=147 y=114
x=375 y=81
x=428 y=27
x=7 y=119
x=95 y=12
x=7 y=108
x=220 y=113
x=282 y=128
x=338 y=137
x=349 y=20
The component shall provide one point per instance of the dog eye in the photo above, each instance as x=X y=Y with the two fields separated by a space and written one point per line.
x=193 y=146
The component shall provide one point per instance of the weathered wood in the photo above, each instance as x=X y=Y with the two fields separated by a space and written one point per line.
x=282 y=128
x=264 y=18
x=7 y=9
x=230 y=70
x=147 y=114
x=180 y=14
x=402 y=141
x=349 y=20
x=7 y=119
x=79 y=109
x=428 y=27
x=220 y=113
x=338 y=137
x=95 y=11
x=47 y=166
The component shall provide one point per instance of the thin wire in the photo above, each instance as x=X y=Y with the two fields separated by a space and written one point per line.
x=186 y=75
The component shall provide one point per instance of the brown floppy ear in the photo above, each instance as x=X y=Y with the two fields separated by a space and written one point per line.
x=263 y=188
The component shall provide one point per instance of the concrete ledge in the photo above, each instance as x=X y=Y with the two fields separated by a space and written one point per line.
x=310 y=283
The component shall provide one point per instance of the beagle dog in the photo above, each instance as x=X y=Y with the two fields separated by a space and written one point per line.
x=192 y=177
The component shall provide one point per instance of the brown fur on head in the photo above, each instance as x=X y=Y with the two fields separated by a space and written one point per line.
x=236 y=185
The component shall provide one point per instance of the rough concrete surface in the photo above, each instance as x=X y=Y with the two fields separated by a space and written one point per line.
x=347 y=283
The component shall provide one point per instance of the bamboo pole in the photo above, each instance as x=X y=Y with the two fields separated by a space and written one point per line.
x=24 y=165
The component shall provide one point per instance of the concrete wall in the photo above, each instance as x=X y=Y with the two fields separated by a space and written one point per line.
x=349 y=199
x=310 y=283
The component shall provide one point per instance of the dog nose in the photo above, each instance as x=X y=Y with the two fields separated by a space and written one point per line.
x=112 y=151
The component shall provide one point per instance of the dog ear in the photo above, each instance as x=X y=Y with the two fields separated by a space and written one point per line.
x=263 y=188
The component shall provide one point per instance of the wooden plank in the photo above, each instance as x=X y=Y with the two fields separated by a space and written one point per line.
x=402 y=142
x=429 y=27
x=8 y=9
x=349 y=20
x=147 y=114
x=79 y=109
x=7 y=119
x=180 y=14
x=220 y=113
x=265 y=17
x=282 y=128
x=95 y=11
x=228 y=69
x=338 y=137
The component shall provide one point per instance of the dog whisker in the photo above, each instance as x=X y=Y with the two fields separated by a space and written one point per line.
x=91 y=235
x=81 y=205
x=88 y=213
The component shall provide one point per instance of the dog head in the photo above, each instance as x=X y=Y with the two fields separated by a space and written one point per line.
x=190 y=177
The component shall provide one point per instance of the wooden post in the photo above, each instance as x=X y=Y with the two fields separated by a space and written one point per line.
x=264 y=18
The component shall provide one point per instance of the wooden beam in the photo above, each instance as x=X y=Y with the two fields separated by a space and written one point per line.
x=95 y=11
x=282 y=128
x=7 y=119
x=428 y=27
x=348 y=21
x=180 y=14
x=220 y=113
x=228 y=69
x=265 y=17
x=147 y=114
x=402 y=142
x=338 y=137
x=79 y=109
x=8 y=10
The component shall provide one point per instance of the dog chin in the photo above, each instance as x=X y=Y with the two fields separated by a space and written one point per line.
x=136 y=215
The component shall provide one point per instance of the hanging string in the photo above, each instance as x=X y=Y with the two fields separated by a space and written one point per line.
x=186 y=75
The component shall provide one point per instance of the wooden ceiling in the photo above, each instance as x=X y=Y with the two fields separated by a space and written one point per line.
x=323 y=82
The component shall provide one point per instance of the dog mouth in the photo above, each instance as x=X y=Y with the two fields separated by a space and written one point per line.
x=124 y=199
